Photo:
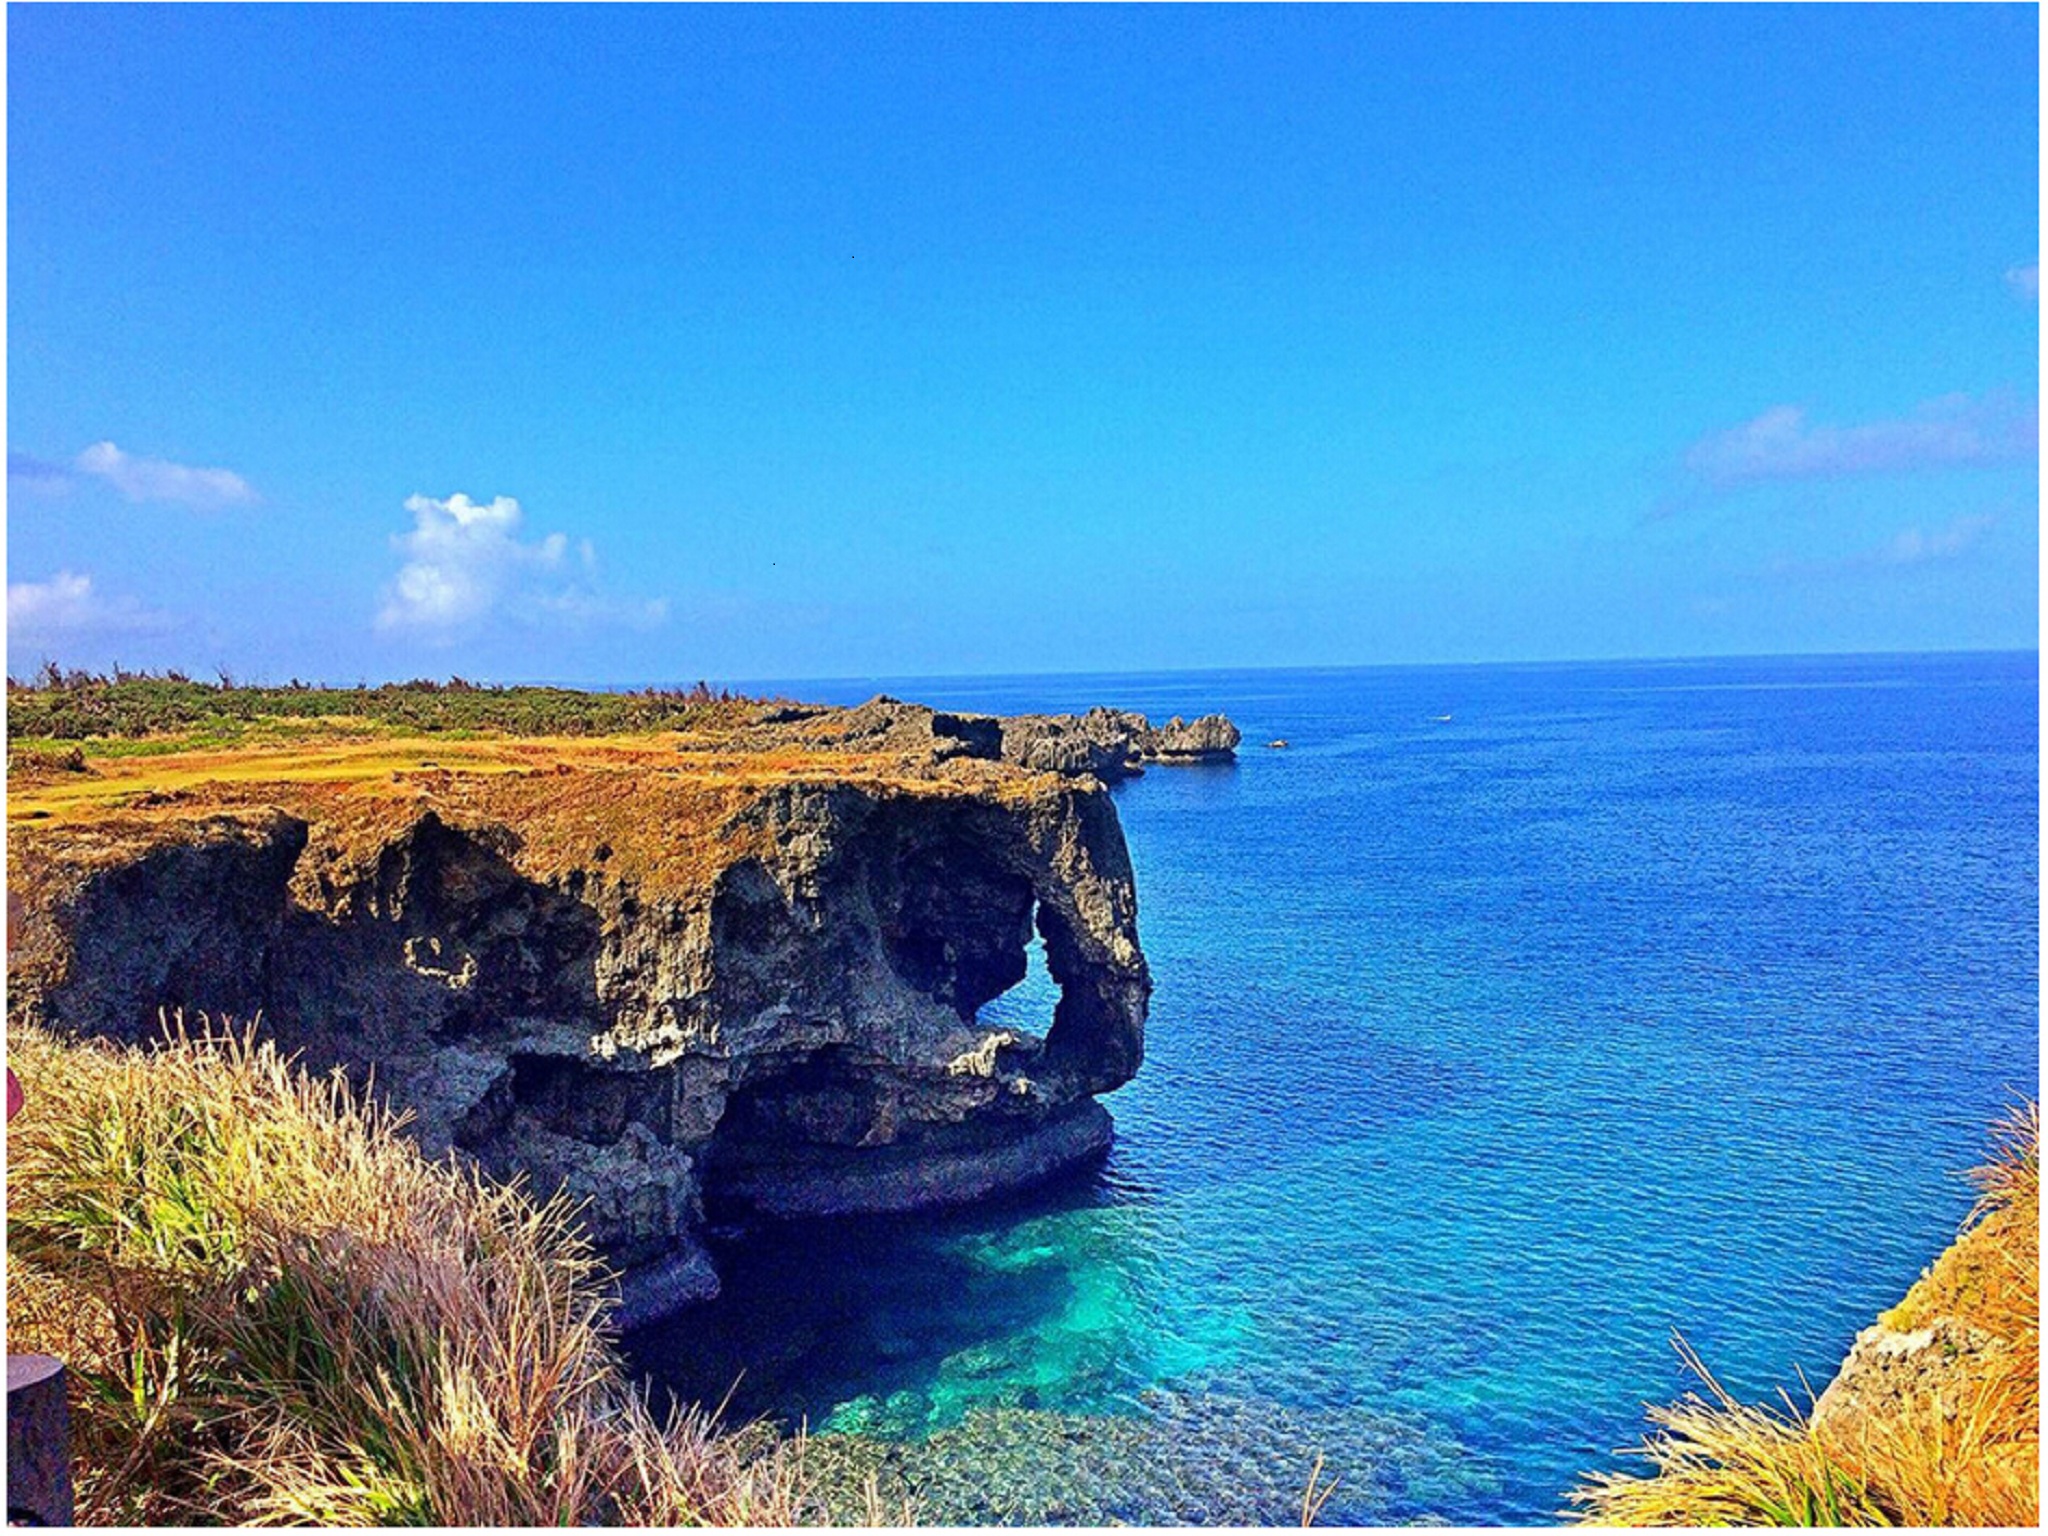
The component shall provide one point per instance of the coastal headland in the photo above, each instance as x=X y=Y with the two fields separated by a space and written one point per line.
x=730 y=972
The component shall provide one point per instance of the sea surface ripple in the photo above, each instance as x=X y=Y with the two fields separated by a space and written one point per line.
x=1509 y=1021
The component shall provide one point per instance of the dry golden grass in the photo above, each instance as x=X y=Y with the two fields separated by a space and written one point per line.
x=110 y=781
x=275 y=1310
x=1722 y=1462
x=641 y=808
x=1963 y=1453
x=99 y=784
x=1970 y=1455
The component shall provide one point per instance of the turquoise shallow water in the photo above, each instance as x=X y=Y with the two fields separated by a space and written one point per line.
x=1508 y=1021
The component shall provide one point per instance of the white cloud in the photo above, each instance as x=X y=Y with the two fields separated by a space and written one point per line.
x=590 y=608
x=67 y=607
x=2026 y=281
x=1913 y=547
x=1908 y=547
x=141 y=479
x=1954 y=432
x=465 y=562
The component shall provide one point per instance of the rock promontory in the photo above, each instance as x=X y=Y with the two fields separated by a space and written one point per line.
x=1105 y=744
x=686 y=980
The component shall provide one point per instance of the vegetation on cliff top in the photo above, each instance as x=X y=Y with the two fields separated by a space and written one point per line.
x=135 y=758
x=134 y=707
x=1959 y=1446
x=663 y=812
x=275 y=1310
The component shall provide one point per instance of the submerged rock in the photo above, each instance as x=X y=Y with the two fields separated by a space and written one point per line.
x=1174 y=1457
x=737 y=986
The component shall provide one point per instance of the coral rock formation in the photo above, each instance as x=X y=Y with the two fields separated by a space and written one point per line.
x=1106 y=744
x=677 y=982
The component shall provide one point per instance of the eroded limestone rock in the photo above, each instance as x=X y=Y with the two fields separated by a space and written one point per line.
x=1106 y=744
x=1211 y=739
x=750 y=990
x=1891 y=1373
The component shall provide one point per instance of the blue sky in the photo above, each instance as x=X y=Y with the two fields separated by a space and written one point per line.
x=650 y=343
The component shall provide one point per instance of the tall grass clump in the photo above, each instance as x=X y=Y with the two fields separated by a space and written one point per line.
x=275 y=1310
x=1960 y=1447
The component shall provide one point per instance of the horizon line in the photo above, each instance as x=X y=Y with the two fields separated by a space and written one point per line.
x=730 y=681
x=1361 y=666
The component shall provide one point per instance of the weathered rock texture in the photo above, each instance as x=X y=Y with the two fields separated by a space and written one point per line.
x=1963 y=1345
x=1211 y=739
x=1890 y=1371
x=679 y=983
x=1106 y=744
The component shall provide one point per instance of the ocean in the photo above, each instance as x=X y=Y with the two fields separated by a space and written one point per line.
x=1511 y=1022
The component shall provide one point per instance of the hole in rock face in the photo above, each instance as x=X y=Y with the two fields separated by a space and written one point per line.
x=1028 y=1006
x=570 y=1099
x=826 y=1098
x=837 y=1130
x=918 y=1102
x=955 y=926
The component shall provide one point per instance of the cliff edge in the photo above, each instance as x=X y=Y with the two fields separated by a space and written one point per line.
x=1934 y=1419
x=677 y=976
x=1106 y=744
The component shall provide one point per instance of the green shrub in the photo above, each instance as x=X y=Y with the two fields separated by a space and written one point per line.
x=76 y=706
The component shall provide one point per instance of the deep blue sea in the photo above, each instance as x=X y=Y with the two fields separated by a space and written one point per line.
x=1508 y=1021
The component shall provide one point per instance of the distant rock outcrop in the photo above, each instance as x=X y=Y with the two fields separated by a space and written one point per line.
x=1106 y=744
x=882 y=724
x=1211 y=739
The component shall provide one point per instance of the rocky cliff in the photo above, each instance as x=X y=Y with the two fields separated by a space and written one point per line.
x=1106 y=744
x=678 y=982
